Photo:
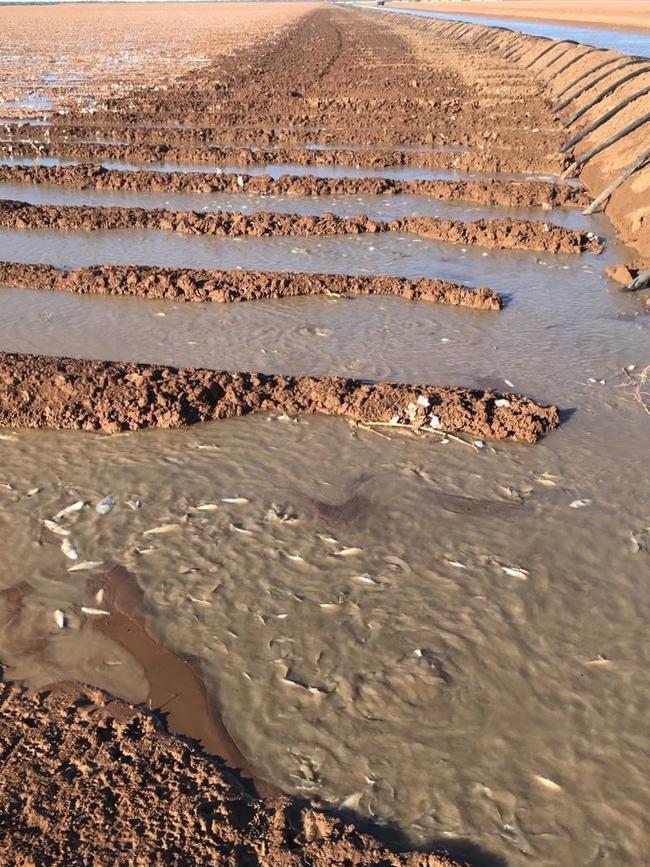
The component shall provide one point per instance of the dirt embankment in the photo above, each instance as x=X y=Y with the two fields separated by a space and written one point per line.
x=80 y=770
x=503 y=234
x=238 y=285
x=517 y=194
x=600 y=101
x=37 y=391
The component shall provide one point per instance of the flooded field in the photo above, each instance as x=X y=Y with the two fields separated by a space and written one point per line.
x=438 y=637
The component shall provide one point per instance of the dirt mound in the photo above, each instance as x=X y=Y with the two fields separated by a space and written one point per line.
x=495 y=161
x=503 y=234
x=237 y=285
x=37 y=391
x=88 y=779
x=519 y=194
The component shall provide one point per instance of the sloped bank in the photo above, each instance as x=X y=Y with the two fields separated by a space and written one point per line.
x=45 y=392
x=237 y=285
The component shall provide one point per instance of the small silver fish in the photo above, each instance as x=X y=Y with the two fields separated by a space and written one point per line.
x=53 y=527
x=85 y=565
x=104 y=506
x=163 y=528
x=74 y=507
x=516 y=572
x=69 y=549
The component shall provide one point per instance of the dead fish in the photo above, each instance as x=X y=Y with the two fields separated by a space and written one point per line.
x=134 y=504
x=579 y=504
x=53 y=527
x=241 y=530
x=60 y=618
x=600 y=662
x=32 y=492
x=348 y=552
x=365 y=579
x=457 y=564
x=69 y=549
x=9 y=438
x=207 y=507
x=236 y=501
x=104 y=506
x=547 y=784
x=95 y=612
x=162 y=528
x=351 y=802
x=74 y=507
x=516 y=572
x=198 y=601
x=85 y=565
x=295 y=557
x=329 y=539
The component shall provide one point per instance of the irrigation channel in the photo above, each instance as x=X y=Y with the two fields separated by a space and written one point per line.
x=438 y=632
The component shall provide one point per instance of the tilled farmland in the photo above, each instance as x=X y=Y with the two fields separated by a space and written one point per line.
x=337 y=563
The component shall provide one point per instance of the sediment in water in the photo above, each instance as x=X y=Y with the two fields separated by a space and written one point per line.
x=41 y=392
x=520 y=194
x=504 y=234
x=237 y=285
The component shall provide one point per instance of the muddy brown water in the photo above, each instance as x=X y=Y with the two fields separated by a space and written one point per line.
x=448 y=641
x=578 y=322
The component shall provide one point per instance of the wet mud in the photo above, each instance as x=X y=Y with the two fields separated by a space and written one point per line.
x=103 y=758
x=237 y=285
x=503 y=234
x=89 y=395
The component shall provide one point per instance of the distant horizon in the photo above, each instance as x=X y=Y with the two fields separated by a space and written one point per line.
x=96 y=2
